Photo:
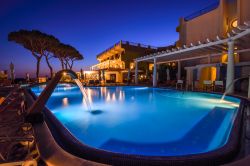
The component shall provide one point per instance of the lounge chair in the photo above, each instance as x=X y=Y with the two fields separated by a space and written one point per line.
x=11 y=100
x=91 y=82
x=218 y=85
x=97 y=82
x=15 y=132
x=179 y=83
x=14 y=148
x=207 y=85
x=6 y=83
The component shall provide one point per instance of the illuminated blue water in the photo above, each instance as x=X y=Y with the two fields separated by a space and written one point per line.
x=145 y=121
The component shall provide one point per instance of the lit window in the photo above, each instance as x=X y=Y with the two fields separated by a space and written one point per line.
x=132 y=65
x=150 y=67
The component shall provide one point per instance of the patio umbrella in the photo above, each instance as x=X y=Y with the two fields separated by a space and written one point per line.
x=12 y=72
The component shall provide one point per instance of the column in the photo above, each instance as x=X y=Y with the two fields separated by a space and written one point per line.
x=155 y=73
x=249 y=87
x=198 y=82
x=179 y=71
x=136 y=72
x=230 y=68
x=198 y=76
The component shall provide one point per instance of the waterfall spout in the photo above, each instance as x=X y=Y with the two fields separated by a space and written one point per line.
x=84 y=94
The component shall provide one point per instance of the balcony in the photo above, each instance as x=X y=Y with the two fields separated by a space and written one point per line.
x=109 y=64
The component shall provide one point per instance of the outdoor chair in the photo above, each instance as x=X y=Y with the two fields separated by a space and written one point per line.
x=12 y=100
x=171 y=83
x=18 y=126
x=7 y=102
x=97 y=82
x=91 y=82
x=179 y=83
x=218 y=85
x=207 y=85
x=14 y=111
x=15 y=149
x=16 y=135
x=6 y=83
x=17 y=112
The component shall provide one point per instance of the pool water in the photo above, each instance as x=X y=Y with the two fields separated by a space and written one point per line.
x=144 y=121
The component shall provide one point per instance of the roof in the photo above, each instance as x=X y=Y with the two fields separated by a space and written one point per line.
x=241 y=36
x=120 y=46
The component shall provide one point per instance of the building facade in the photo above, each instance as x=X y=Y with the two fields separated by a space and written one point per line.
x=213 y=45
x=116 y=64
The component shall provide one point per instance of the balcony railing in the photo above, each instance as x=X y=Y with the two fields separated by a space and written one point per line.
x=109 y=64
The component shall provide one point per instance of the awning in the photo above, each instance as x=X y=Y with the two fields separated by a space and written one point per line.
x=240 y=36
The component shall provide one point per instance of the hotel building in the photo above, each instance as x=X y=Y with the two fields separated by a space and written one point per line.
x=214 y=44
x=116 y=64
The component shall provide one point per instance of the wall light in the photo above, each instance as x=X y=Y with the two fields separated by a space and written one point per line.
x=234 y=24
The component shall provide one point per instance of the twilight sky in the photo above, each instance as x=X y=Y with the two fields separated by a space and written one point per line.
x=89 y=25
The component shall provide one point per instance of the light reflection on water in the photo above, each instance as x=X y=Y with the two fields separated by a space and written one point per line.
x=65 y=101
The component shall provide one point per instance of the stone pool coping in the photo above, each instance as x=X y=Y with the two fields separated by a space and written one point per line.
x=216 y=157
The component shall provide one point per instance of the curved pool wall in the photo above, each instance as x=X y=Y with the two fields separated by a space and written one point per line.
x=215 y=156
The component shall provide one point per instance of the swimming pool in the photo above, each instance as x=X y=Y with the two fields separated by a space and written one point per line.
x=144 y=121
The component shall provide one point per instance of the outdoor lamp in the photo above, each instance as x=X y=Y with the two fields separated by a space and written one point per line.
x=234 y=24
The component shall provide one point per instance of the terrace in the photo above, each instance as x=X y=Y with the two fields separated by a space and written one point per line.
x=116 y=64
x=237 y=42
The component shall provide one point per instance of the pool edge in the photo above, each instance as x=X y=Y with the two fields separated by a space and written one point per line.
x=219 y=156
